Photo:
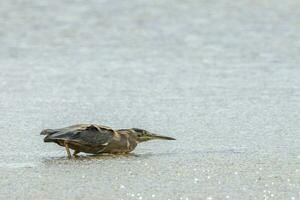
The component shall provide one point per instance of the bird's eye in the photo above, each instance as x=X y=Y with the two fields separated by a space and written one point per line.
x=138 y=130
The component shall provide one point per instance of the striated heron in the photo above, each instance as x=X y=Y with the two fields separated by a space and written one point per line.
x=97 y=139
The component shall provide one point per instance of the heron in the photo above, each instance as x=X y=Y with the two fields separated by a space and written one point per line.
x=99 y=139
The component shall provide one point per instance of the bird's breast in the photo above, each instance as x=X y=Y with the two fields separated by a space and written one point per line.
x=121 y=143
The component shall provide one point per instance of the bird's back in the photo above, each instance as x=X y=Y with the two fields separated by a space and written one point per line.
x=83 y=134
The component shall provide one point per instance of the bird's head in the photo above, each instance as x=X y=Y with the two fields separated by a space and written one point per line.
x=143 y=135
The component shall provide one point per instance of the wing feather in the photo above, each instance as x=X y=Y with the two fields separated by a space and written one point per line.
x=90 y=135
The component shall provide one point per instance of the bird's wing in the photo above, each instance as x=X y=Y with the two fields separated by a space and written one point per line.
x=91 y=135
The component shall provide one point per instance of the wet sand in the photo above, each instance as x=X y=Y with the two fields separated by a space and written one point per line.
x=222 y=77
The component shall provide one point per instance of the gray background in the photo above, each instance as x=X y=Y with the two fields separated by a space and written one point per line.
x=222 y=77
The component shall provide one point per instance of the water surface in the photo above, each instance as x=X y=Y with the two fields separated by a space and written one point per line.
x=222 y=77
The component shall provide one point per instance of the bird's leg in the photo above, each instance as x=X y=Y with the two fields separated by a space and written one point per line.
x=75 y=153
x=67 y=149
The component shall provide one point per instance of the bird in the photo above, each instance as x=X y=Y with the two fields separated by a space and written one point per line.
x=98 y=139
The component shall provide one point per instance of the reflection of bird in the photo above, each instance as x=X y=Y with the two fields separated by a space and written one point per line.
x=97 y=139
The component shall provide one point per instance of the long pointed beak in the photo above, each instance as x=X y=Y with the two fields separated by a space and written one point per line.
x=161 y=137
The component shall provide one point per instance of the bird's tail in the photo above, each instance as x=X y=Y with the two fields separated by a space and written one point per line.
x=48 y=139
x=49 y=131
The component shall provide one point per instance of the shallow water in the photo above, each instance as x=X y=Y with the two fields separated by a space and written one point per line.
x=222 y=77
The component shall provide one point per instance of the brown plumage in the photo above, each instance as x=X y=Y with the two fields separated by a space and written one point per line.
x=97 y=139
